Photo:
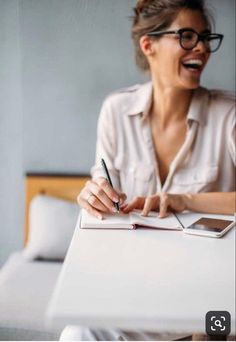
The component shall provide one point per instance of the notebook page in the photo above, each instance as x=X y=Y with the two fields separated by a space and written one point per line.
x=153 y=221
x=118 y=220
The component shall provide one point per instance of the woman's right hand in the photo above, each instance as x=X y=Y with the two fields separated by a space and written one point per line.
x=98 y=197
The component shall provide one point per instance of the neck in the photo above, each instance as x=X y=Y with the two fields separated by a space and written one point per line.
x=169 y=104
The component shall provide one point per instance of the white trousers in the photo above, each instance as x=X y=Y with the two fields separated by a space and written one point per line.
x=76 y=333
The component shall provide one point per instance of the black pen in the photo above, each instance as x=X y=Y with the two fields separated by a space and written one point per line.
x=109 y=181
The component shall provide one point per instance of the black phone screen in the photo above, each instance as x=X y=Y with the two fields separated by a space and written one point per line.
x=210 y=224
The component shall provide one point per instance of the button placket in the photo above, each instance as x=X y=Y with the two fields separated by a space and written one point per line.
x=181 y=155
x=147 y=136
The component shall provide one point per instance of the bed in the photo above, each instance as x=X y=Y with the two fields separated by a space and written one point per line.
x=26 y=284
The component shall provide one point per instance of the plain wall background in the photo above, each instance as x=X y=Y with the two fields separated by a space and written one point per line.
x=58 y=61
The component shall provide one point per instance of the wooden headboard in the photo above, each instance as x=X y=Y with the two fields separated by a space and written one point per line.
x=63 y=186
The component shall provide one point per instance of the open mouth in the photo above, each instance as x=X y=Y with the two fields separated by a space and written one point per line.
x=193 y=64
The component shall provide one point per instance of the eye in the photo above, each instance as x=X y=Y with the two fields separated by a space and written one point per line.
x=188 y=35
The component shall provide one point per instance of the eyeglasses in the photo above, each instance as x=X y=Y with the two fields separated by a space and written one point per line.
x=188 y=38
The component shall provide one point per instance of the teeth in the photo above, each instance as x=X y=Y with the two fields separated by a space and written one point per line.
x=193 y=61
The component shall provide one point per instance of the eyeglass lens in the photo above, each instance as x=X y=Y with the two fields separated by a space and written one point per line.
x=189 y=40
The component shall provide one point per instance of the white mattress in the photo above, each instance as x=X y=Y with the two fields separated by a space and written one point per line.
x=25 y=290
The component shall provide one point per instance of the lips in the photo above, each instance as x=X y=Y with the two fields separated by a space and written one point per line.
x=193 y=64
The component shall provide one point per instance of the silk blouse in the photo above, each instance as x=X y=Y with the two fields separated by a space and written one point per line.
x=204 y=163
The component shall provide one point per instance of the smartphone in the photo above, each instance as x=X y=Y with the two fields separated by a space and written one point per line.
x=210 y=227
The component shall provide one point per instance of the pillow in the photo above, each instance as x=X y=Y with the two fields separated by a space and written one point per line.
x=52 y=222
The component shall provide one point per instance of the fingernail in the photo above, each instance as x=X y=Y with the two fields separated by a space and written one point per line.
x=116 y=200
x=143 y=214
x=114 y=210
x=99 y=217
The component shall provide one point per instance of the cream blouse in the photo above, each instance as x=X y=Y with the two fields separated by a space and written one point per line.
x=204 y=163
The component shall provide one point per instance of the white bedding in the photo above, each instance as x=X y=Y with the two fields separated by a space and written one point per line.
x=25 y=289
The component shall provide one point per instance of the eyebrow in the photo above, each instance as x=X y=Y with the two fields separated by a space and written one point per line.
x=190 y=28
x=206 y=31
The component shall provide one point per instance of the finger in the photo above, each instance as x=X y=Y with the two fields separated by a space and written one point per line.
x=163 y=205
x=151 y=203
x=122 y=197
x=123 y=206
x=88 y=197
x=91 y=210
x=97 y=204
x=105 y=202
x=136 y=203
x=108 y=189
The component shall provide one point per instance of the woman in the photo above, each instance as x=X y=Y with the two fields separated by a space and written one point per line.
x=168 y=144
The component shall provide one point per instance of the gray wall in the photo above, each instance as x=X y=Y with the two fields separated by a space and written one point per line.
x=11 y=131
x=58 y=60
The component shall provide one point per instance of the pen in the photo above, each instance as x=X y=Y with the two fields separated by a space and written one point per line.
x=109 y=180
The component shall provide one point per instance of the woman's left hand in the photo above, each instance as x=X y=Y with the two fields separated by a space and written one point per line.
x=161 y=201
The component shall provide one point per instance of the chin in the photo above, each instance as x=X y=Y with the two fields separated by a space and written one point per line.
x=194 y=86
x=190 y=85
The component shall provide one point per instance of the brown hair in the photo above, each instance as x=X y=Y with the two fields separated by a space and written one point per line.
x=152 y=15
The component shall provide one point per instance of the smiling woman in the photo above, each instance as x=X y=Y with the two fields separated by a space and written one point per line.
x=154 y=17
x=154 y=137
x=186 y=41
x=168 y=144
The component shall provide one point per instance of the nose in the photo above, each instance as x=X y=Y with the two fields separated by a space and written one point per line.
x=200 y=47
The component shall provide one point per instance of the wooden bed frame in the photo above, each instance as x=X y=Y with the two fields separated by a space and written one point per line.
x=58 y=185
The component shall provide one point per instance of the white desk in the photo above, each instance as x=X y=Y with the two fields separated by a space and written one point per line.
x=147 y=279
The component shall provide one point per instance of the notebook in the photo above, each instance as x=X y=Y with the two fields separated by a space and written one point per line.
x=132 y=220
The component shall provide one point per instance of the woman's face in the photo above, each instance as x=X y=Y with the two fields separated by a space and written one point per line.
x=169 y=59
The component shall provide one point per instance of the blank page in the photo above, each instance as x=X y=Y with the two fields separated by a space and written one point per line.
x=152 y=220
x=118 y=220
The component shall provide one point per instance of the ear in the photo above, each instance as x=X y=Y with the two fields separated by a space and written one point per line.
x=147 y=46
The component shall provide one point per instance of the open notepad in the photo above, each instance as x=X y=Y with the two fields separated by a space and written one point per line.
x=130 y=221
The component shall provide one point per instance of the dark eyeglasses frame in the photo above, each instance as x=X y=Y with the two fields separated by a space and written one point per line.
x=201 y=37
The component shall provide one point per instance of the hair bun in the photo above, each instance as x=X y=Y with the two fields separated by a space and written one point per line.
x=142 y=6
